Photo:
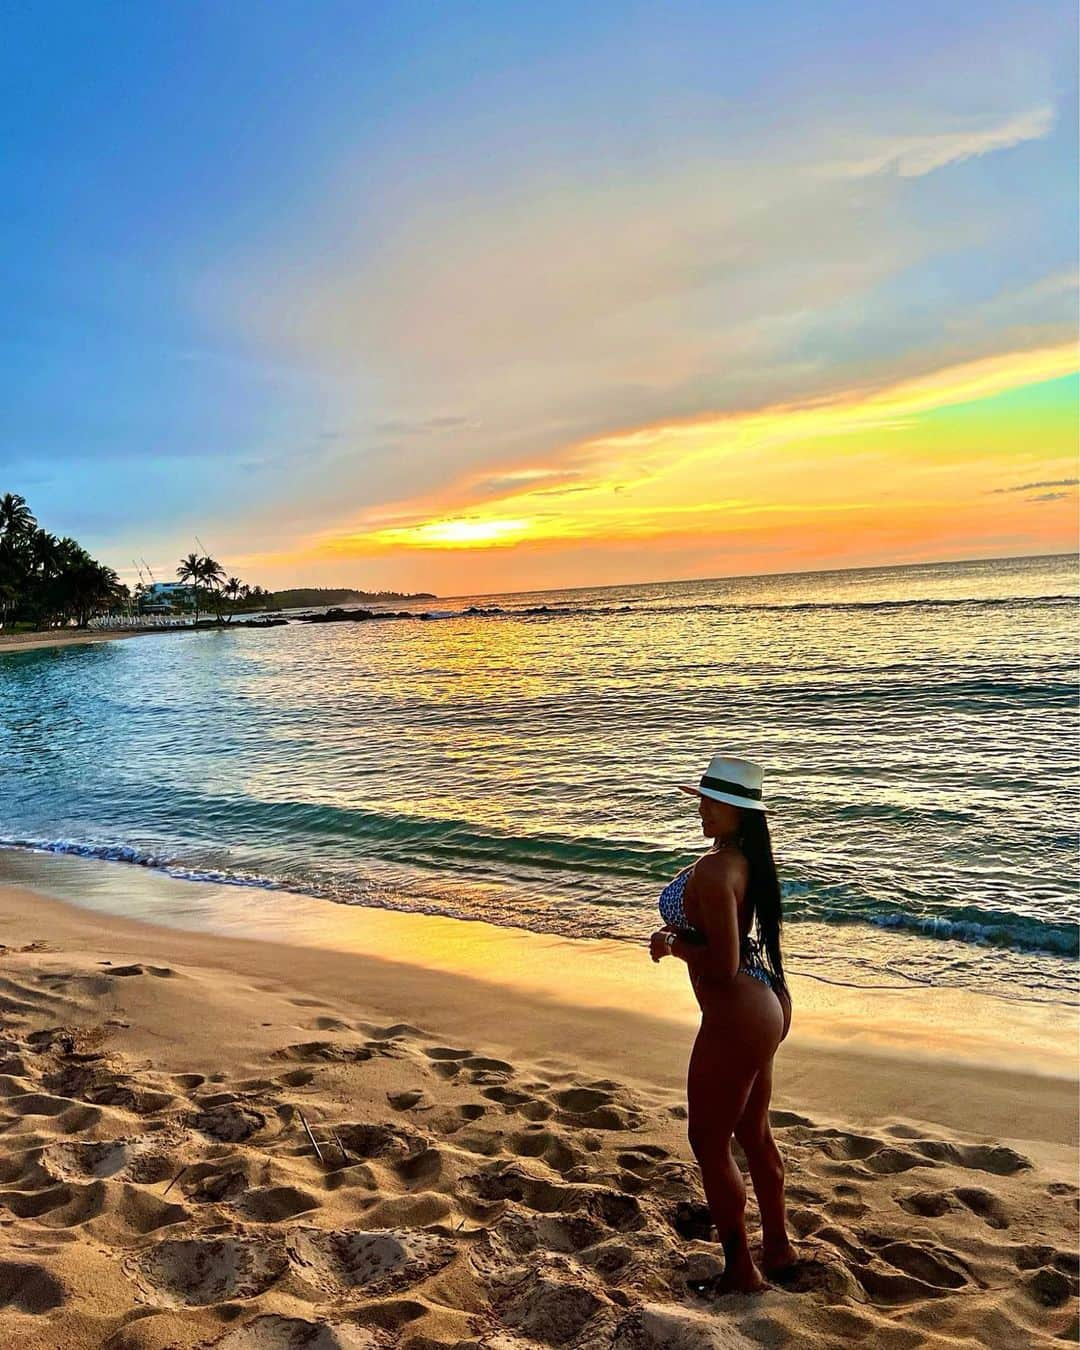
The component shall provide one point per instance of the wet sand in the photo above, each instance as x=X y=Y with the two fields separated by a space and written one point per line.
x=74 y=637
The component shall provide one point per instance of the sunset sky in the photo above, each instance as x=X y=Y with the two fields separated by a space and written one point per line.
x=490 y=296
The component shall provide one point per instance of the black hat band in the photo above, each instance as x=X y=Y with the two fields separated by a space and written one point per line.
x=728 y=785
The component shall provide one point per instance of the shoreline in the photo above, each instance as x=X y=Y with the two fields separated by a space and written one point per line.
x=1017 y=1051
x=413 y=1139
x=29 y=642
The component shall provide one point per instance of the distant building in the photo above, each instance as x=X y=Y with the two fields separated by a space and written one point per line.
x=166 y=597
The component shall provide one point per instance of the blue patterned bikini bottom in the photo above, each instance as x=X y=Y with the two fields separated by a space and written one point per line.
x=674 y=915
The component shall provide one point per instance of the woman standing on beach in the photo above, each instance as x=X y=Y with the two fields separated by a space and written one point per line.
x=709 y=911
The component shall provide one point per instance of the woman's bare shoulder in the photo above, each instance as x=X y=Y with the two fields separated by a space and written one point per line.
x=724 y=869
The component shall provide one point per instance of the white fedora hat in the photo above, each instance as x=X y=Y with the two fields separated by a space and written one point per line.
x=730 y=779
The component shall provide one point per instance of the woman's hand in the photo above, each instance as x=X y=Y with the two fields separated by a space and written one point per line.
x=658 y=947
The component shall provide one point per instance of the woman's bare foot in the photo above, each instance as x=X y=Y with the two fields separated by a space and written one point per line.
x=779 y=1256
x=740 y=1277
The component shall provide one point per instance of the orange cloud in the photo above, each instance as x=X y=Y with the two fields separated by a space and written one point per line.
x=780 y=463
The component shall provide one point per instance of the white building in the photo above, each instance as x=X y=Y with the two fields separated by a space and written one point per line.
x=166 y=597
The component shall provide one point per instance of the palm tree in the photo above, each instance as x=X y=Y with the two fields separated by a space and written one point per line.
x=16 y=519
x=232 y=591
x=45 y=579
x=190 y=570
x=213 y=575
x=202 y=572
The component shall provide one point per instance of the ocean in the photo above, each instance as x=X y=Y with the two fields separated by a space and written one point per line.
x=918 y=727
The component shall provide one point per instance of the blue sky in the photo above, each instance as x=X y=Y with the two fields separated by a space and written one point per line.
x=283 y=272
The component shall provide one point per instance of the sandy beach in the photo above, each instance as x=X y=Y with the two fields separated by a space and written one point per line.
x=503 y=1160
x=73 y=637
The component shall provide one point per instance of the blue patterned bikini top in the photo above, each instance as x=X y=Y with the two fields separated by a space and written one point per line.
x=673 y=912
x=671 y=902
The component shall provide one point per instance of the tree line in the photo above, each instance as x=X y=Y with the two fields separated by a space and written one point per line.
x=46 y=581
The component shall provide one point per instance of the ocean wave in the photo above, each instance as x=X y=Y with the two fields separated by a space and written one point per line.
x=739 y=606
x=805 y=901
x=411 y=839
x=1011 y=931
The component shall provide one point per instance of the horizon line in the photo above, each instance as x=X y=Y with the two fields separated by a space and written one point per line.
x=754 y=576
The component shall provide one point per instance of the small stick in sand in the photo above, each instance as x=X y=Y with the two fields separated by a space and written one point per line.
x=341 y=1146
x=314 y=1141
x=176 y=1178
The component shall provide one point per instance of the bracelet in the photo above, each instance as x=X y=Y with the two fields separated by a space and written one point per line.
x=669 y=939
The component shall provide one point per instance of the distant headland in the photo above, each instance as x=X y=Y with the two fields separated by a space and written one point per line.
x=301 y=597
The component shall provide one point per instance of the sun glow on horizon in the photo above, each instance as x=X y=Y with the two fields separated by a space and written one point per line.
x=470 y=532
x=921 y=458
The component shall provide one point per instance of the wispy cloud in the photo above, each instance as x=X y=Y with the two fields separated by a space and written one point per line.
x=914 y=156
x=1045 y=483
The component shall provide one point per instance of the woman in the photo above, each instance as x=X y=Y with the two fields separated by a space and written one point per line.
x=738 y=979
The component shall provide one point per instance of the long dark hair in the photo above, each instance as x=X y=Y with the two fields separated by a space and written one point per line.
x=763 y=890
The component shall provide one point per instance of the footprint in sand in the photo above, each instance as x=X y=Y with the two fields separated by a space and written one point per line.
x=984 y=1204
x=805 y=1220
x=200 y=1271
x=215 y=1181
x=123 y=1092
x=230 y=1122
x=387 y=1049
x=901 y=1272
x=24 y=1000
x=480 y=1064
x=138 y=1158
x=410 y=1100
x=274 y=1204
x=398 y=1031
x=643 y=1158
x=447 y=1061
x=552 y=1311
x=505 y=1096
x=1049 y=1288
x=926 y=1204
x=359 y=1264
x=451 y=1119
x=1054 y=1275
x=935 y=1266
x=295 y=1078
x=366 y=1140
x=330 y=1051
x=327 y=1024
x=994 y=1158
x=29 y=1288
x=848 y=1203
x=274 y=1332
x=503 y=1181
x=548 y=1145
x=595 y=1107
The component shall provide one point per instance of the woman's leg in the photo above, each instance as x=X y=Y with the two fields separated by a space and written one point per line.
x=766 y=1171
x=717 y=1091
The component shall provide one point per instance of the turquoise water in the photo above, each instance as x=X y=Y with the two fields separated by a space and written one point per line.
x=918 y=727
